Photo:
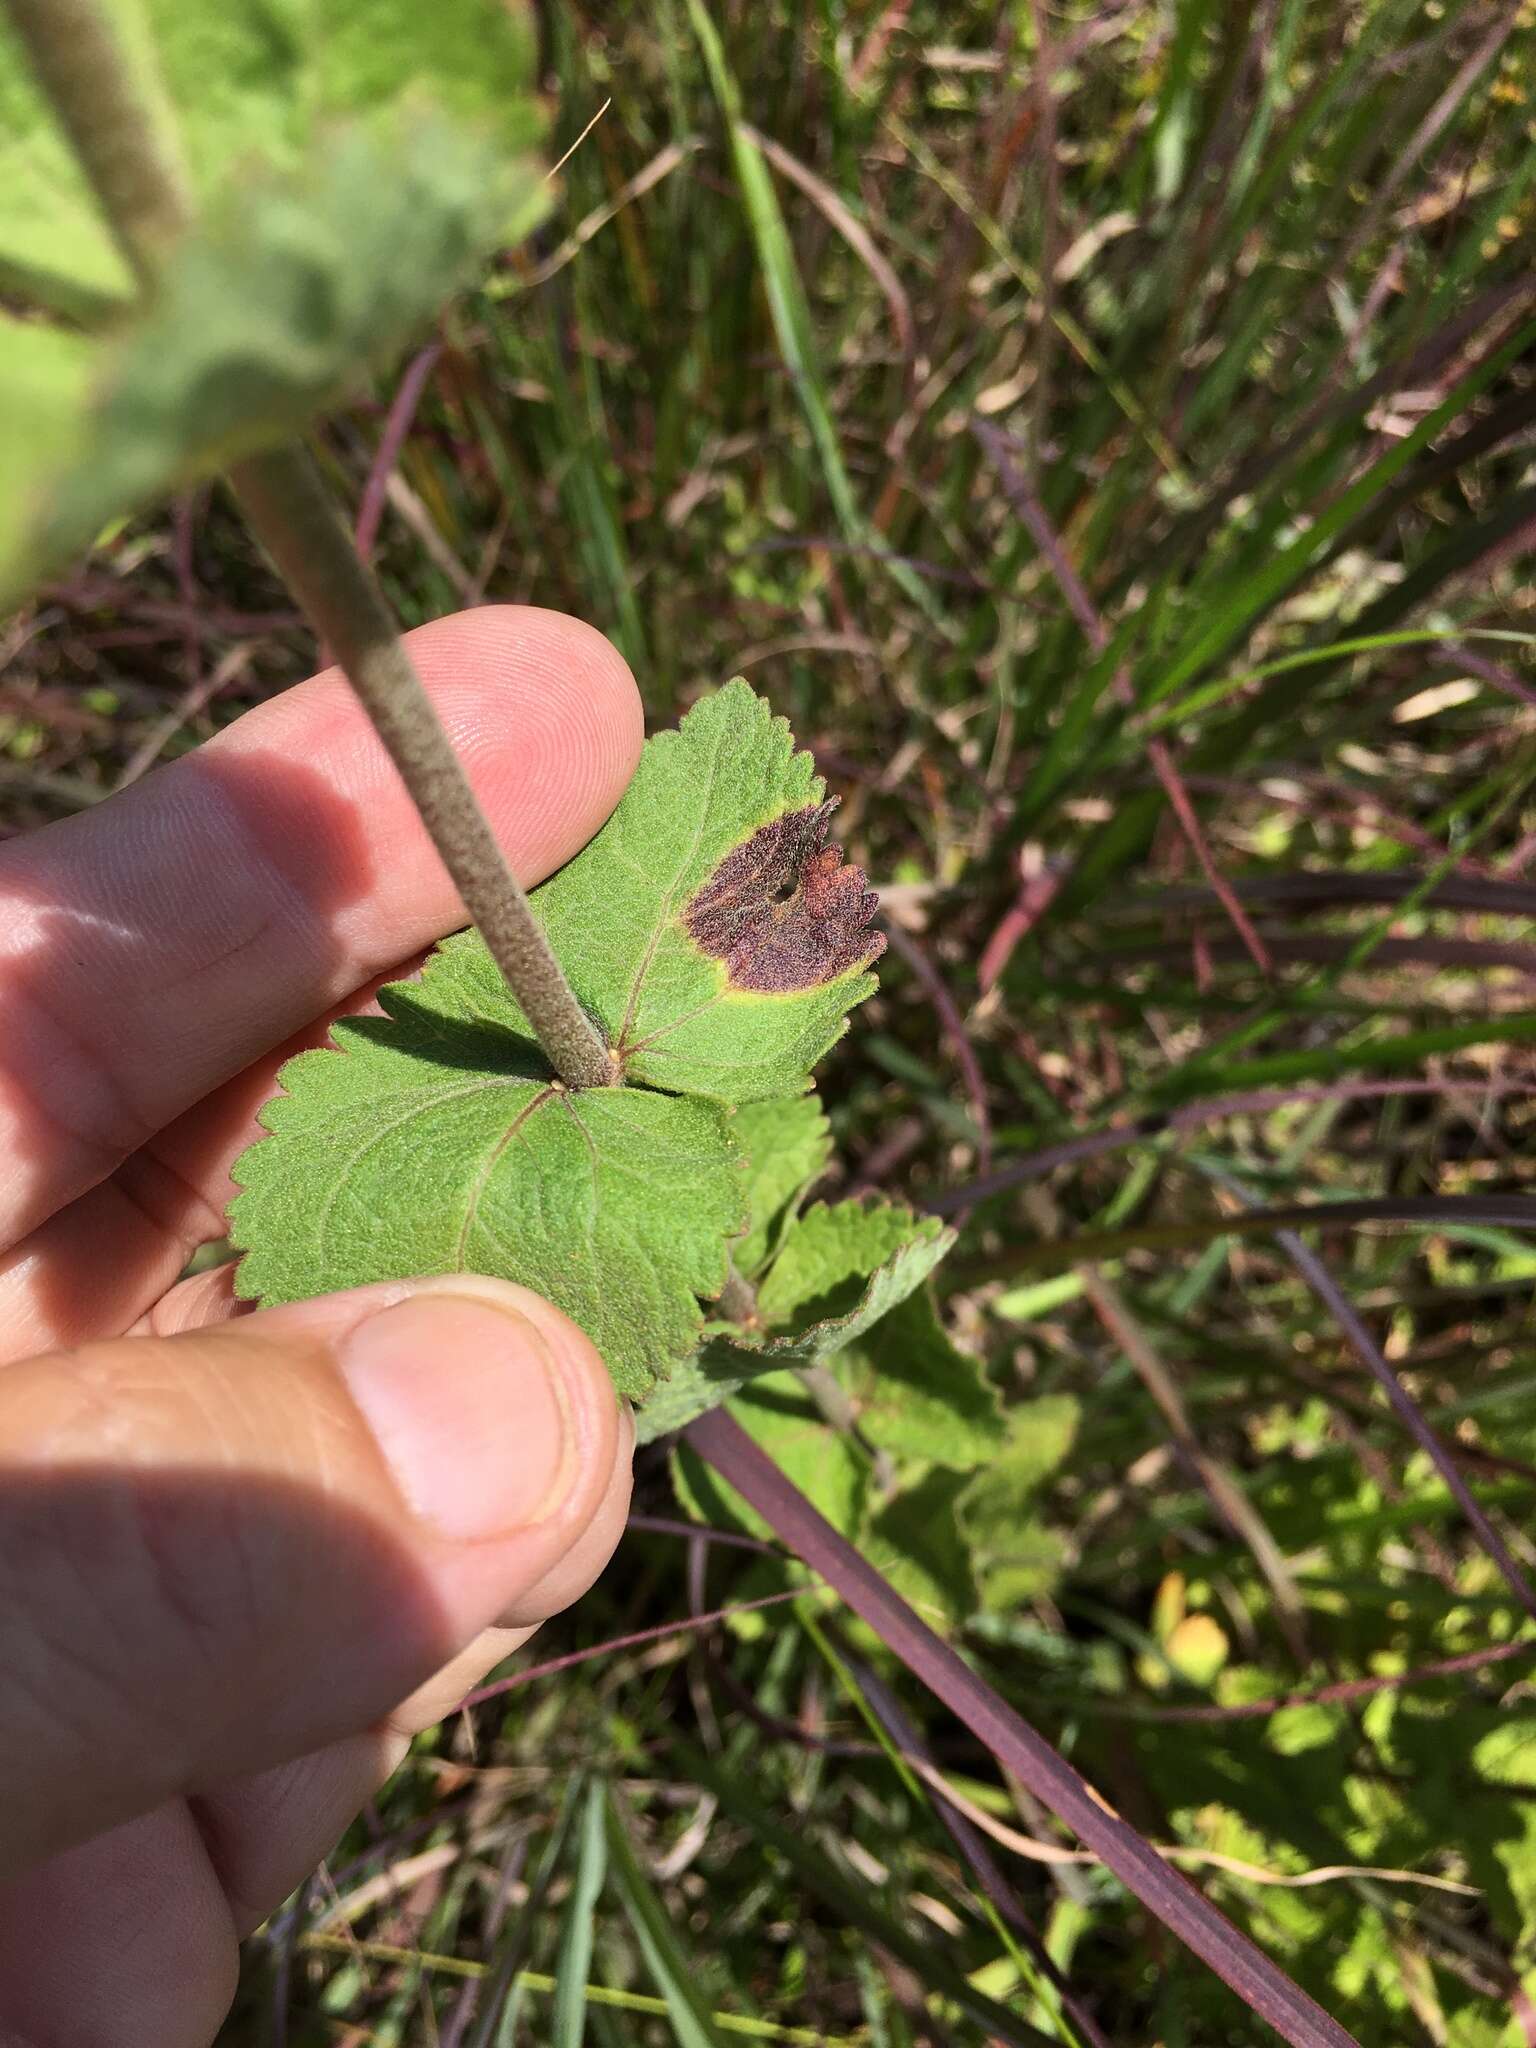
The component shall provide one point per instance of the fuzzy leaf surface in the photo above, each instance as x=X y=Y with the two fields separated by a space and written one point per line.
x=243 y=87
x=709 y=927
x=432 y=1141
x=827 y=1252
x=266 y=312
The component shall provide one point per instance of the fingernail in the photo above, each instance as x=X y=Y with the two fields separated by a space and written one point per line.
x=466 y=1402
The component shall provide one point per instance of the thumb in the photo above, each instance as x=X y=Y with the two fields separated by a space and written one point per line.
x=221 y=1550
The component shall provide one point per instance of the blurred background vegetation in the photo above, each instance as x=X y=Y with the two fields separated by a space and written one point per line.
x=1106 y=430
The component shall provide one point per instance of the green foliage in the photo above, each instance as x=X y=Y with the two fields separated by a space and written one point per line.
x=862 y=1264
x=788 y=1145
x=1281 y=245
x=917 y=1541
x=419 y=1146
x=1017 y=1555
x=352 y=166
x=431 y=1140
x=264 y=315
x=242 y=86
x=829 y=1247
x=679 y=1015
x=45 y=374
x=917 y=1396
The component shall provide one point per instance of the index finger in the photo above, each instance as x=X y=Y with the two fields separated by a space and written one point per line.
x=153 y=947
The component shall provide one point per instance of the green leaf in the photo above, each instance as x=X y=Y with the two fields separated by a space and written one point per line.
x=244 y=88
x=45 y=375
x=573 y=1964
x=695 y=1385
x=916 y=1543
x=676 y=1975
x=268 y=309
x=1023 y=1564
x=709 y=927
x=916 y=1395
x=834 y=1243
x=787 y=1146
x=843 y=1269
x=1016 y=1555
x=431 y=1142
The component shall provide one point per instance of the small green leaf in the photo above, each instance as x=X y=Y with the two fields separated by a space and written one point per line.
x=1025 y=1562
x=430 y=1142
x=787 y=1145
x=915 y=1542
x=675 y=1973
x=916 y=1395
x=848 y=1266
x=709 y=927
x=573 y=1963
x=834 y=1246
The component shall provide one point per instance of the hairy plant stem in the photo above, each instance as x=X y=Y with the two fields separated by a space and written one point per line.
x=86 y=71
x=738 y=1299
x=287 y=508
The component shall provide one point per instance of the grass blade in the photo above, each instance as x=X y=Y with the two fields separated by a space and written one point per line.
x=674 y=1976
x=573 y=1966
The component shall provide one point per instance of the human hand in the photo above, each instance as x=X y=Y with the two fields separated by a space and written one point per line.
x=243 y=1558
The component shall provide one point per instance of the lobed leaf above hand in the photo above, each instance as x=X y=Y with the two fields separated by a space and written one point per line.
x=433 y=1139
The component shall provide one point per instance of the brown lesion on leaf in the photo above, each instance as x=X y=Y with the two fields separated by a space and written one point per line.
x=784 y=911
